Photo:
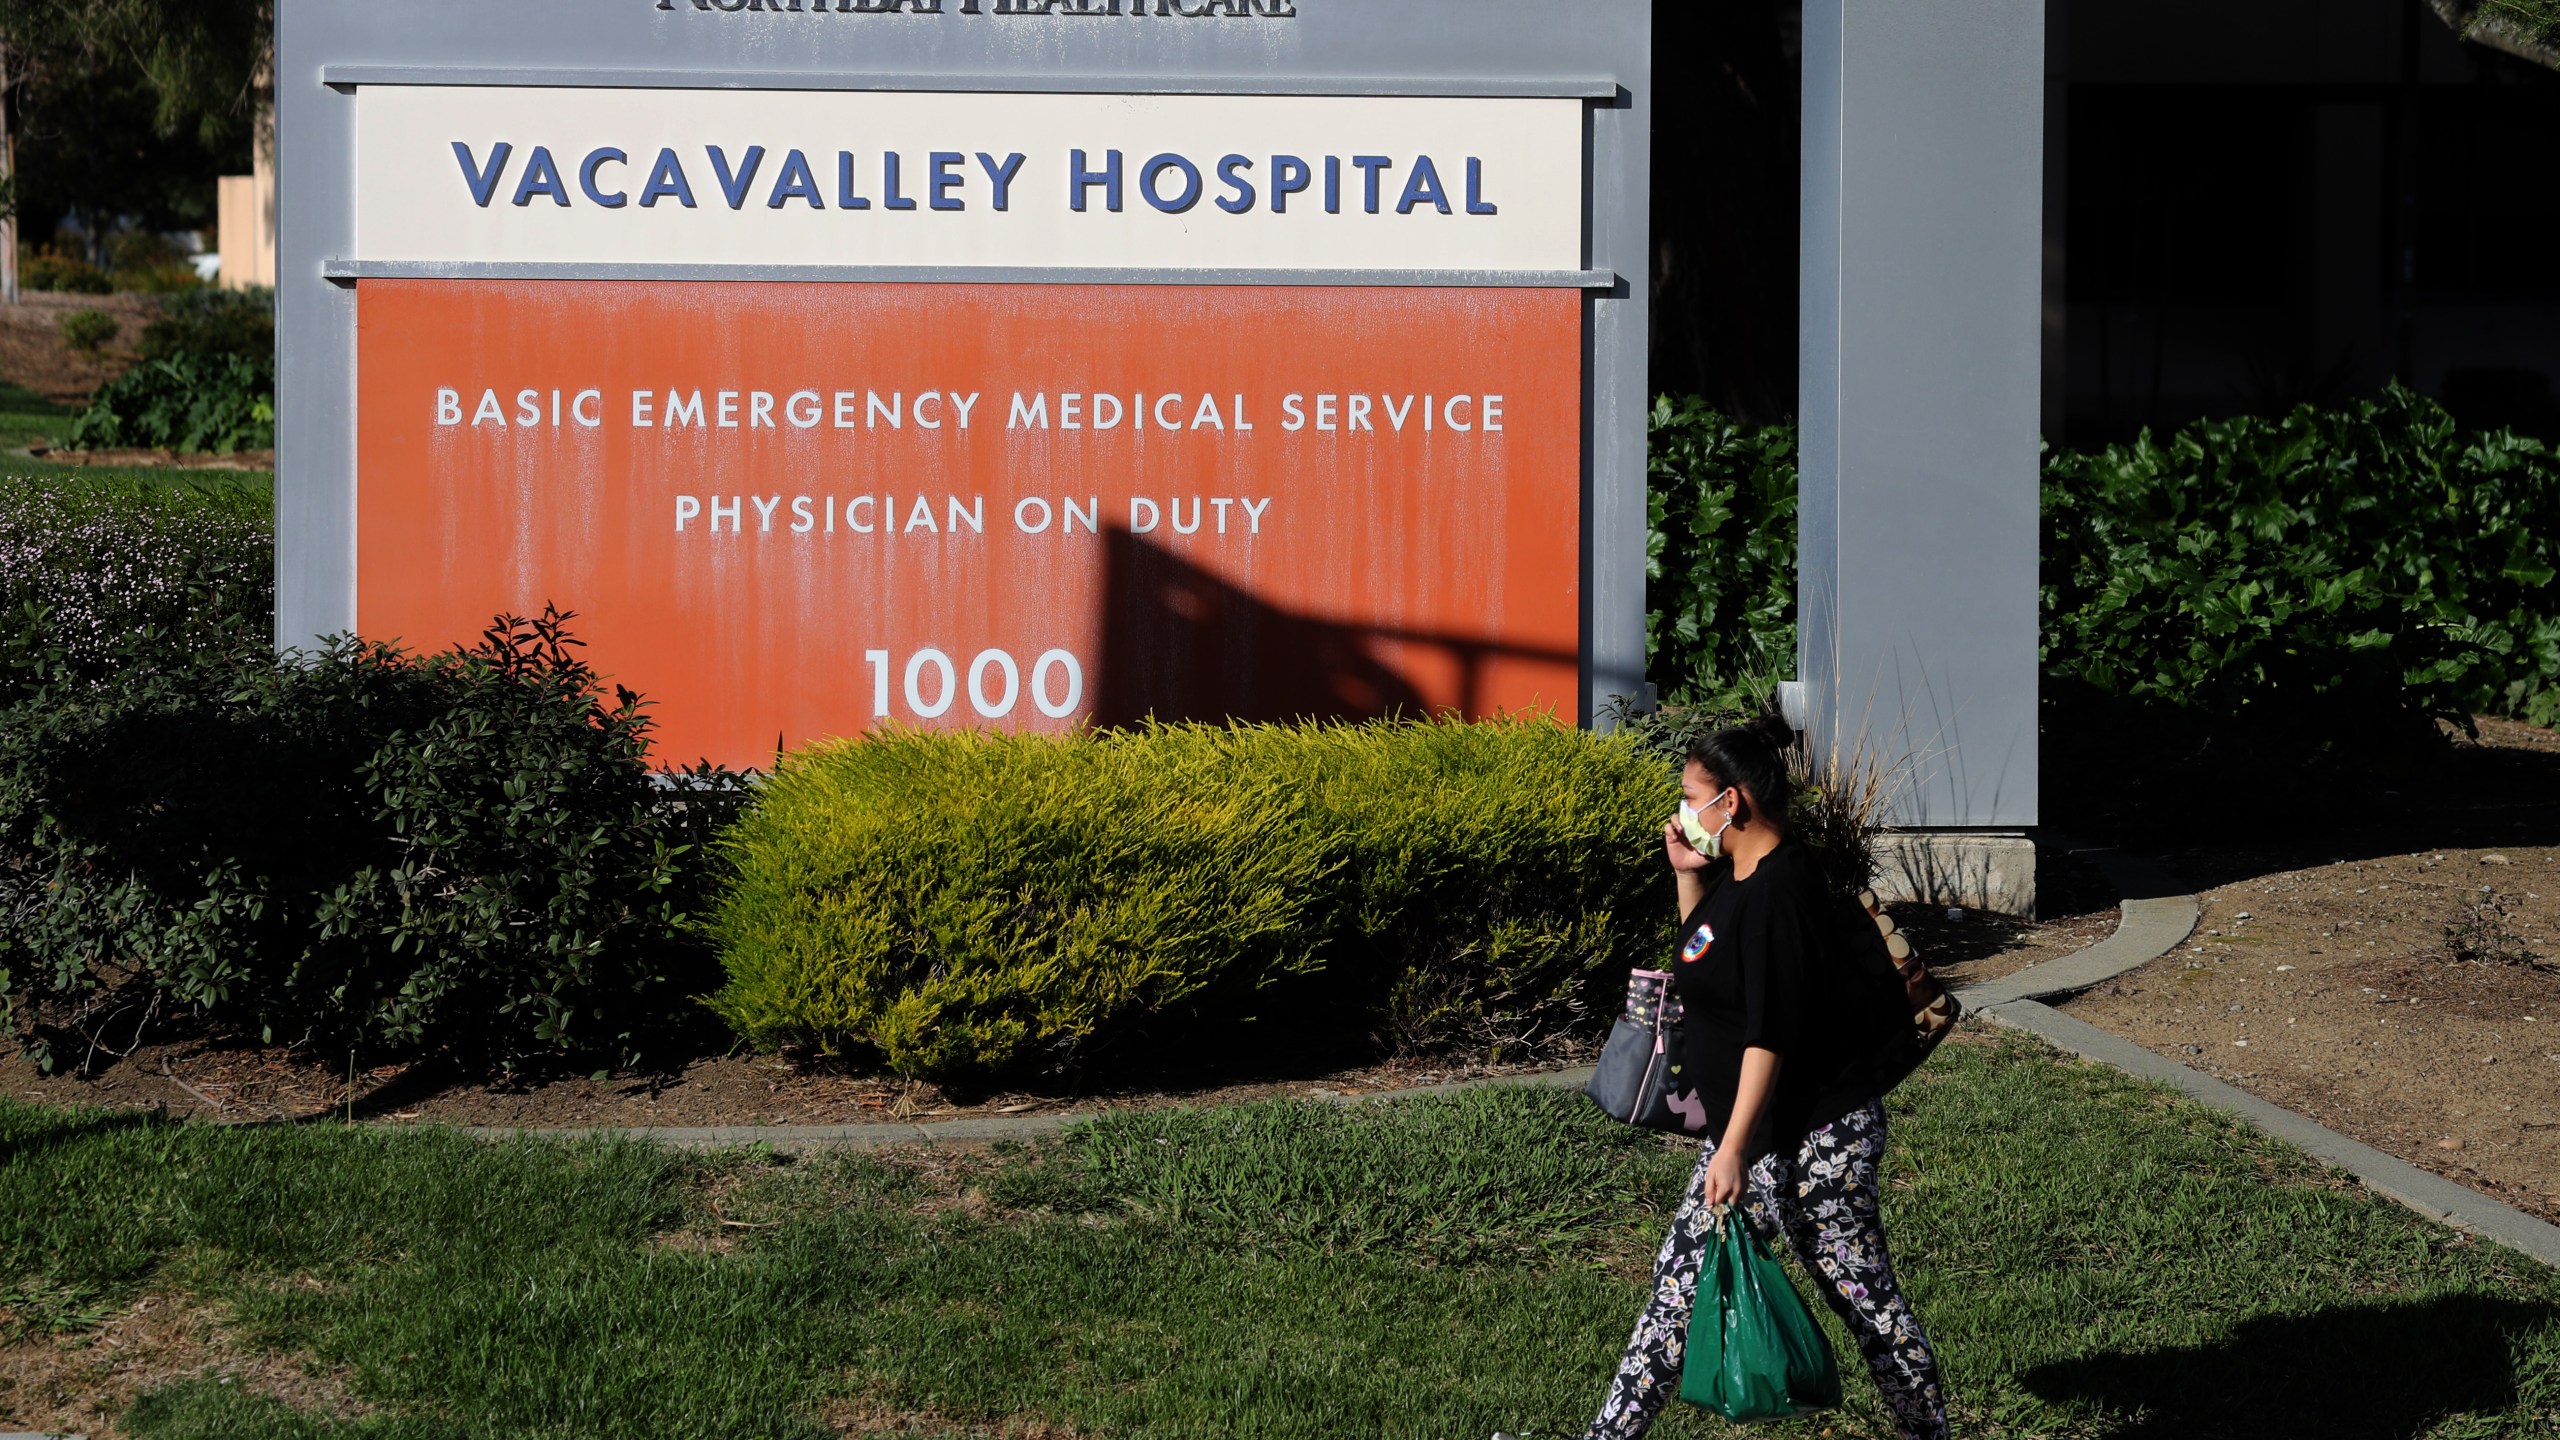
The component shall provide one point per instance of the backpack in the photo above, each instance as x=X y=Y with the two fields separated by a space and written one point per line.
x=1881 y=954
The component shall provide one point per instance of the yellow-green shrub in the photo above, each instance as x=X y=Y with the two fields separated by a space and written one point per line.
x=965 y=904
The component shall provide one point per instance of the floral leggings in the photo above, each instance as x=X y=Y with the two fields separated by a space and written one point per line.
x=1826 y=1205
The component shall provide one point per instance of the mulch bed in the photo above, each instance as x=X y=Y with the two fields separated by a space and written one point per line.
x=240 y=1085
x=158 y=459
x=2323 y=977
x=235 y=1084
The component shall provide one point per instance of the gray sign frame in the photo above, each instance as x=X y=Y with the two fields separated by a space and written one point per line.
x=1599 y=51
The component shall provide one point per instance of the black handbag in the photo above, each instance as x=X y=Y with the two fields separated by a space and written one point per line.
x=1638 y=1079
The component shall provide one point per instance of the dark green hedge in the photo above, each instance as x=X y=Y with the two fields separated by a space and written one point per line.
x=356 y=849
x=2367 y=560
x=1720 y=562
x=2280 y=612
x=2294 y=591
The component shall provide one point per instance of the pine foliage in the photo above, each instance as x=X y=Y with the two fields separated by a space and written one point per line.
x=962 y=904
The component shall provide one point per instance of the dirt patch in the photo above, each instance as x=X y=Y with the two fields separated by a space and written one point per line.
x=158 y=459
x=869 y=1418
x=236 y=1085
x=32 y=352
x=2322 y=976
x=78 y=1383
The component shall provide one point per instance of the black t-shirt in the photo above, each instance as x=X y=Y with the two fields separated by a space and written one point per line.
x=1757 y=967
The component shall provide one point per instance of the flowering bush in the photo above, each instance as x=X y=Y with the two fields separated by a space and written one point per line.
x=87 y=565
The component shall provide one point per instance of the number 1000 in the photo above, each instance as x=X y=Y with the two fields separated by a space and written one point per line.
x=931 y=684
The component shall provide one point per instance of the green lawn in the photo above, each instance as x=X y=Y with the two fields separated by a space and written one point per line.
x=2096 y=1258
x=27 y=418
x=15 y=467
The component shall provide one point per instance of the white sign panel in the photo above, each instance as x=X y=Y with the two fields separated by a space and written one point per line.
x=515 y=175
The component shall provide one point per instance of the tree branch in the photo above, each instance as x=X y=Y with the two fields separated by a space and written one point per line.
x=2526 y=29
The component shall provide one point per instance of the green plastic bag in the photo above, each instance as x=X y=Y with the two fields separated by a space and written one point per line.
x=1754 y=1351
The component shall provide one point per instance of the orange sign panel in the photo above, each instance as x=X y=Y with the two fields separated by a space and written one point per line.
x=790 y=511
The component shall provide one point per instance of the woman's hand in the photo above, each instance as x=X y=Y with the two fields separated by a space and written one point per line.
x=1683 y=856
x=1758 y=1080
x=1724 y=1176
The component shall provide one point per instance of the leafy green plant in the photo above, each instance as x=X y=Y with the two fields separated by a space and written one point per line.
x=972 y=904
x=2290 y=604
x=357 y=848
x=2484 y=933
x=189 y=401
x=206 y=381
x=1720 y=567
x=88 y=331
x=1666 y=732
x=2278 y=603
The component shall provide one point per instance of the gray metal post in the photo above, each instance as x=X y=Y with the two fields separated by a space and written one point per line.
x=1920 y=371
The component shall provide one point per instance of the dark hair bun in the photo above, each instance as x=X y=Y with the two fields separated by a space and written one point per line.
x=1771 y=729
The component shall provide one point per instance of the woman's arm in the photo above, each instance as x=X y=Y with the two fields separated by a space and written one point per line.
x=1692 y=890
x=1759 y=1077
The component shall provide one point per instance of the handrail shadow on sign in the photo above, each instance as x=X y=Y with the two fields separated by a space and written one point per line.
x=1180 y=642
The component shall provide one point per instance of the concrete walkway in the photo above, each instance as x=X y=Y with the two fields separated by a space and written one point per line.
x=2158 y=916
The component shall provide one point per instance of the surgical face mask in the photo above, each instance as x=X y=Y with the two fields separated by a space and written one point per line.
x=1709 y=843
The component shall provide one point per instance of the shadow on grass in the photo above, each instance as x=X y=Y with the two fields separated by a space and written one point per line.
x=31 y=1130
x=2370 y=1372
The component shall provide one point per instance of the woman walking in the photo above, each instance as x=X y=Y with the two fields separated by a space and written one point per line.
x=1780 y=1031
